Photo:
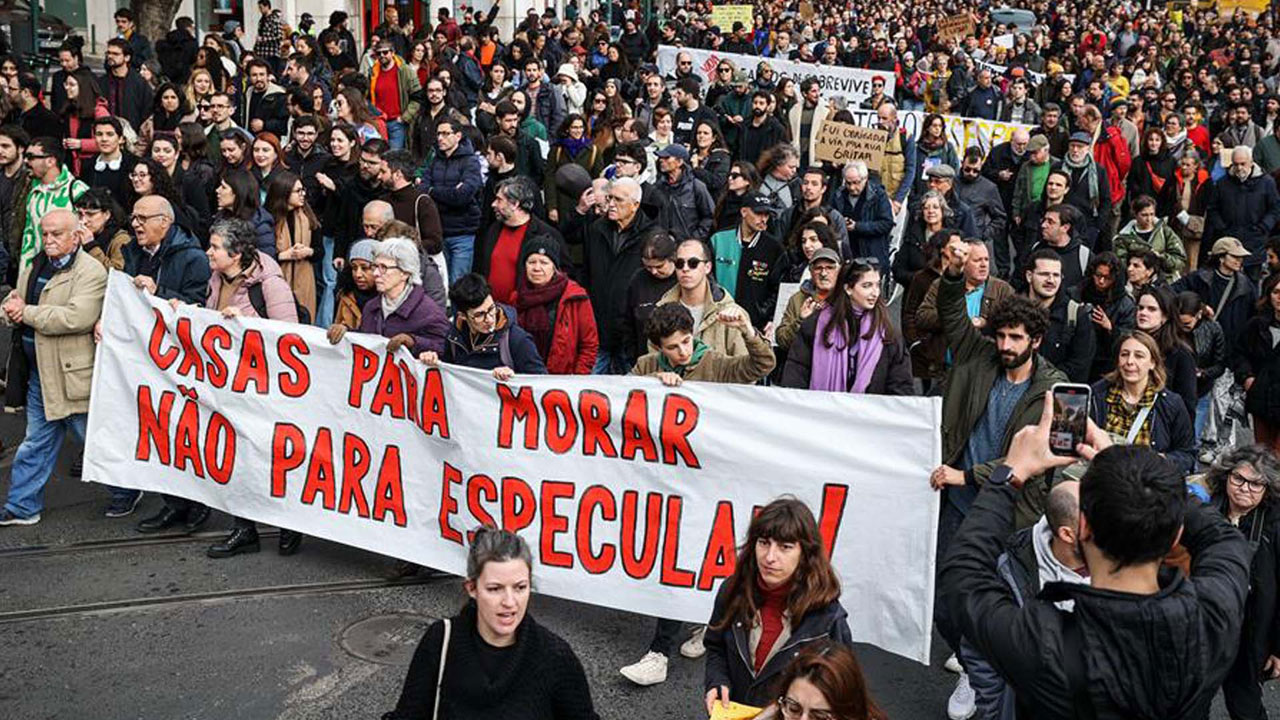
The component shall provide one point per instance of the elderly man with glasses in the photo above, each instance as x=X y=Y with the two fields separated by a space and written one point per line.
x=54 y=309
x=164 y=259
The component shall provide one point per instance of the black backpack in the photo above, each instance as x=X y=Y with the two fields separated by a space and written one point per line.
x=259 y=302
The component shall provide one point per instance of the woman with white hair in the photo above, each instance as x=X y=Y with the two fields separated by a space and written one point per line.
x=401 y=311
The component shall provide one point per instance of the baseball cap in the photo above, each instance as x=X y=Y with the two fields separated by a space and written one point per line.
x=1229 y=246
x=825 y=253
x=674 y=150
x=759 y=202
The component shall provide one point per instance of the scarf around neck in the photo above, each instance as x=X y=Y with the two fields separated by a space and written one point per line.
x=575 y=146
x=1121 y=415
x=534 y=306
x=1090 y=176
x=699 y=349
x=830 y=368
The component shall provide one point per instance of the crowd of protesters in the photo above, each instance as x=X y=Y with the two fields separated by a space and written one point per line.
x=550 y=201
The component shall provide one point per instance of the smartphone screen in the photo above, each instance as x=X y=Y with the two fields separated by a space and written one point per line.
x=1070 y=415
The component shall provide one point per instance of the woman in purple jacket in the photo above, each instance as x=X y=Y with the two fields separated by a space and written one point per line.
x=402 y=311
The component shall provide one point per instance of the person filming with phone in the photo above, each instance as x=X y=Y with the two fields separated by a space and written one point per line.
x=1132 y=404
x=1141 y=640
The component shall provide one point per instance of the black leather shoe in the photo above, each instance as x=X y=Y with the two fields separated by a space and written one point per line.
x=196 y=517
x=241 y=540
x=290 y=541
x=161 y=521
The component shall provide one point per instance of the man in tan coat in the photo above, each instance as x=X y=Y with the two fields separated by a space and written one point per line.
x=54 y=309
x=682 y=356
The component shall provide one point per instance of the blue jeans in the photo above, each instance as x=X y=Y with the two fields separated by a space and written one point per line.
x=33 y=463
x=327 y=286
x=1203 y=408
x=459 y=251
x=611 y=362
x=395 y=134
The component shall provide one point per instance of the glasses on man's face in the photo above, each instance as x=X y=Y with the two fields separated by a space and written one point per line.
x=686 y=62
x=385 y=53
x=37 y=156
x=691 y=263
x=137 y=219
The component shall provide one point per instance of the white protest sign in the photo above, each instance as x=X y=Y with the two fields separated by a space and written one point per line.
x=963 y=132
x=631 y=494
x=851 y=84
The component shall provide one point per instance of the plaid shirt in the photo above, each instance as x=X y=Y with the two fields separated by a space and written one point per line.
x=270 y=35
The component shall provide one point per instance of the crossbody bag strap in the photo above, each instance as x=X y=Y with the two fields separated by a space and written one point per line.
x=444 y=655
x=1136 y=427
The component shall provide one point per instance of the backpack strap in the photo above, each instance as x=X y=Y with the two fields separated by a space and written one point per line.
x=258 y=300
x=504 y=349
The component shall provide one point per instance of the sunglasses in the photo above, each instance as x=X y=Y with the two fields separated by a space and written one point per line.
x=691 y=263
x=736 y=175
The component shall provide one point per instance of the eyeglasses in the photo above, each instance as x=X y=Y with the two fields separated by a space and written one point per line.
x=792 y=710
x=384 y=267
x=36 y=156
x=385 y=53
x=692 y=263
x=1253 y=485
x=137 y=219
x=484 y=314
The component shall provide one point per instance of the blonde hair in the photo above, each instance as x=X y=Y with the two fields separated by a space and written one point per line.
x=189 y=89
x=1158 y=375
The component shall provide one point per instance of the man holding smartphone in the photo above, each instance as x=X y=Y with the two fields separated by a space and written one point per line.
x=1141 y=640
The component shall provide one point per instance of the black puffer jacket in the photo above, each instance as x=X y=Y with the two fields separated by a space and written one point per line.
x=541 y=677
x=1211 y=354
x=1258 y=357
x=1160 y=656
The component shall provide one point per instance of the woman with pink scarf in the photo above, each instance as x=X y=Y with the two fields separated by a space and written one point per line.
x=849 y=344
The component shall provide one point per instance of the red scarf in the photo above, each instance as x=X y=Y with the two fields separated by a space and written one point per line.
x=771 y=610
x=534 y=306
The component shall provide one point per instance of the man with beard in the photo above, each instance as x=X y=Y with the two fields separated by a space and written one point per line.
x=994 y=389
x=761 y=132
x=128 y=95
x=1244 y=205
x=370 y=173
x=529 y=161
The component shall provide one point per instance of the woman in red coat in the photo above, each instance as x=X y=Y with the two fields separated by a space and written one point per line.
x=555 y=311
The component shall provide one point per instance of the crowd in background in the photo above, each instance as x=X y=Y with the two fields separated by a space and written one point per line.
x=550 y=201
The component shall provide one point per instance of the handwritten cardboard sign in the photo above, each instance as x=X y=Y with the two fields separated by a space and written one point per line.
x=844 y=142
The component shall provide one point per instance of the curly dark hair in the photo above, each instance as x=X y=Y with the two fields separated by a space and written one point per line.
x=1020 y=310
x=1259 y=456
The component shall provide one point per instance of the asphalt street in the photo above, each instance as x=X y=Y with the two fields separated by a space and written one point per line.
x=101 y=623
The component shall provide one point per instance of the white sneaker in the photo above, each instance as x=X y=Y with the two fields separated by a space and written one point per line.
x=651 y=670
x=953 y=665
x=962 y=704
x=693 y=647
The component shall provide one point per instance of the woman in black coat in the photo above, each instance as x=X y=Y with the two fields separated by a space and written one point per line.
x=500 y=662
x=1257 y=365
x=838 y=345
x=783 y=596
x=1244 y=485
x=1157 y=316
x=1153 y=168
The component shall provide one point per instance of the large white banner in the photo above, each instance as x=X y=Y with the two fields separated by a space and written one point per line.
x=631 y=494
x=963 y=132
x=851 y=84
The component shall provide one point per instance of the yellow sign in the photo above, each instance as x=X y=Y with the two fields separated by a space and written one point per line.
x=724 y=16
x=844 y=142
x=735 y=711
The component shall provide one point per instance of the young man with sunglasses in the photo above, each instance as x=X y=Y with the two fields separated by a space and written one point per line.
x=393 y=86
